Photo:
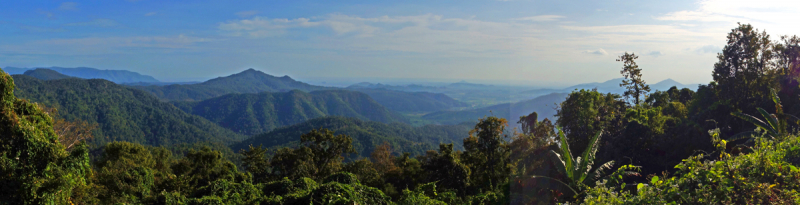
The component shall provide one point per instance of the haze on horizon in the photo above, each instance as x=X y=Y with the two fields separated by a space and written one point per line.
x=526 y=42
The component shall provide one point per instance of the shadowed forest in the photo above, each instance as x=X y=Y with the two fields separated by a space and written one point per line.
x=68 y=140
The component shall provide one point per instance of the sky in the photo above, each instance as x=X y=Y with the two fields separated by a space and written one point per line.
x=526 y=42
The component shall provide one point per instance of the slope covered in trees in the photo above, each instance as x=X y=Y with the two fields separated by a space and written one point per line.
x=45 y=74
x=366 y=135
x=413 y=102
x=544 y=105
x=122 y=113
x=251 y=114
x=117 y=76
x=248 y=81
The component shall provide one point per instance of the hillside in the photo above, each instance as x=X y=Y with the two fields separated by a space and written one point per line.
x=116 y=76
x=366 y=135
x=45 y=74
x=248 y=81
x=258 y=113
x=123 y=114
x=543 y=105
x=415 y=102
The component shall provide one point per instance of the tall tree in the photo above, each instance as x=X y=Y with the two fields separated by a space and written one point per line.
x=637 y=88
x=742 y=67
x=487 y=152
x=34 y=167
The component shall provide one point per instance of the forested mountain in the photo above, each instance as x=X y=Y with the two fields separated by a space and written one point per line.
x=117 y=76
x=366 y=135
x=123 y=114
x=248 y=81
x=45 y=74
x=412 y=101
x=543 y=105
x=258 y=113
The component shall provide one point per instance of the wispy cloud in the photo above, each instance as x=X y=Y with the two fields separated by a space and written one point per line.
x=655 y=53
x=150 y=14
x=709 y=49
x=766 y=14
x=423 y=33
x=68 y=6
x=541 y=18
x=599 y=51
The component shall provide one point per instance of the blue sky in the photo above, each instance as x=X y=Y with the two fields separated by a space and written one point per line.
x=517 y=41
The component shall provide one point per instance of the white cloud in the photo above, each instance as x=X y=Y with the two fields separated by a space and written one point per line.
x=773 y=15
x=419 y=34
x=599 y=51
x=150 y=14
x=68 y=6
x=541 y=18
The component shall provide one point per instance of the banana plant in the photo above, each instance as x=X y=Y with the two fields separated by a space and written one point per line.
x=578 y=171
x=773 y=125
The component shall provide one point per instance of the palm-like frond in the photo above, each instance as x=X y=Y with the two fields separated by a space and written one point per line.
x=599 y=171
x=566 y=155
x=774 y=125
x=749 y=118
x=588 y=156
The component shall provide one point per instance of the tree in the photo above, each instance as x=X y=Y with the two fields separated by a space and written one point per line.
x=585 y=112
x=34 y=167
x=327 y=149
x=486 y=151
x=742 y=67
x=70 y=133
x=446 y=169
x=382 y=158
x=637 y=88
x=125 y=174
x=255 y=161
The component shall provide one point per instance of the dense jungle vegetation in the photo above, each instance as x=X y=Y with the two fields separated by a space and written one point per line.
x=732 y=141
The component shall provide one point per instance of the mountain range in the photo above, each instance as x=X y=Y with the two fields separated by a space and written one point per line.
x=258 y=113
x=248 y=81
x=122 y=113
x=543 y=105
x=117 y=76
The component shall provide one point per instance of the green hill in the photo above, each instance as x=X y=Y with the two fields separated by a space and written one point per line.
x=415 y=102
x=258 y=113
x=248 y=81
x=45 y=74
x=366 y=135
x=543 y=105
x=123 y=114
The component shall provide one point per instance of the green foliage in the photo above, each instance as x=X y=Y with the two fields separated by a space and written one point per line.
x=123 y=114
x=585 y=112
x=34 y=167
x=769 y=174
x=251 y=114
x=366 y=135
x=447 y=170
x=486 y=152
x=774 y=125
x=580 y=171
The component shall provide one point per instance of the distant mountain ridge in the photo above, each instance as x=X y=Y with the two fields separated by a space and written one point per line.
x=122 y=113
x=46 y=74
x=248 y=81
x=258 y=113
x=116 y=76
x=543 y=105
x=414 y=102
